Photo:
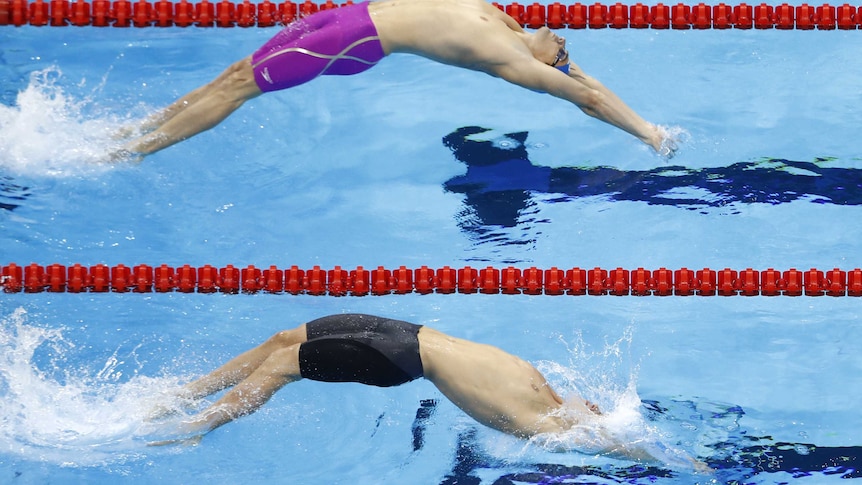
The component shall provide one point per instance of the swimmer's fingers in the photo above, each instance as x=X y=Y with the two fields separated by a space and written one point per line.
x=668 y=148
x=702 y=467
x=671 y=137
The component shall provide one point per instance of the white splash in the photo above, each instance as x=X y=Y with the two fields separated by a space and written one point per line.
x=671 y=139
x=621 y=431
x=50 y=132
x=75 y=420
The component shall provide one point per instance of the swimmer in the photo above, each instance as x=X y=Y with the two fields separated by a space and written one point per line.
x=471 y=34
x=497 y=389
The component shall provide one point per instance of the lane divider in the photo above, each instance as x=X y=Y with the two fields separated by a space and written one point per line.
x=360 y=281
x=224 y=13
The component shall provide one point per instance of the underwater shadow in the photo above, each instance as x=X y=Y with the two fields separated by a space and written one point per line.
x=736 y=460
x=501 y=183
x=12 y=195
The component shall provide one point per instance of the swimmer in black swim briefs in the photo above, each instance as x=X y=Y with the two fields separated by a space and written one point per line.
x=495 y=388
x=360 y=348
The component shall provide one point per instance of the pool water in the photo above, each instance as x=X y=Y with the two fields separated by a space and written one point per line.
x=414 y=163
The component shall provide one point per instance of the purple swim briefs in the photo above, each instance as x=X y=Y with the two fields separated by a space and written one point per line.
x=341 y=41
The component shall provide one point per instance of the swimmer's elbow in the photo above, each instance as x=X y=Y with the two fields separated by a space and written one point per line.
x=593 y=103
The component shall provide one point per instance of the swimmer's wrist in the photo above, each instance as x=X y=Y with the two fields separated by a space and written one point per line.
x=656 y=138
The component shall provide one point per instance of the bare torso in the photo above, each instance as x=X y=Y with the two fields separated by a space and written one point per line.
x=471 y=34
x=466 y=33
x=495 y=388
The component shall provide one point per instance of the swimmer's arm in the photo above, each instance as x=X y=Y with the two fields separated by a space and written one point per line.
x=630 y=451
x=587 y=93
x=656 y=137
x=641 y=453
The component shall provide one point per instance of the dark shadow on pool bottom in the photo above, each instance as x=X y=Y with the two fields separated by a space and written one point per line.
x=736 y=460
x=501 y=185
x=12 y=195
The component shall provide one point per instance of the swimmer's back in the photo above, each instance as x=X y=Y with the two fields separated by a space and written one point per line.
x=495 y=388
x=438 y=29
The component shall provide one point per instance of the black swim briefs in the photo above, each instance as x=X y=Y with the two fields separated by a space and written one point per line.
x=361 y=348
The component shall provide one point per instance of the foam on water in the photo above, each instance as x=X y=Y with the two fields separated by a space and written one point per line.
x=50 y=132
x=621 y=430
x=72 y=419
x=58 y=412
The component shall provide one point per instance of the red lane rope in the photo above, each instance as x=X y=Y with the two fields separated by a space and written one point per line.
x=360 y=281
x=224 y=13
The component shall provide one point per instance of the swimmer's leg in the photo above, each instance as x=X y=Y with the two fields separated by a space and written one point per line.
x=242 y=366
x=158 y=119
x=279 y=369
x=199 y=110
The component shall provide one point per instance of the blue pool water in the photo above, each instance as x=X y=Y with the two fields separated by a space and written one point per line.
x=413 y=163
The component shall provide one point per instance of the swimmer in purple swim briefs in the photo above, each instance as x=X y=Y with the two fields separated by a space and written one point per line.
x=471 y=34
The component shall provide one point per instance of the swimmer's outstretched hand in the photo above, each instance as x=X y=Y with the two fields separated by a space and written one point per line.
x=666 y=140
x=701 y=467
x=668 y=148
